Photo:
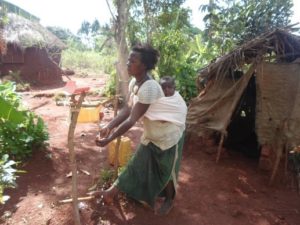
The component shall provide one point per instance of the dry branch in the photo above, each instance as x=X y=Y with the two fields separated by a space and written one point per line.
x=70 y=200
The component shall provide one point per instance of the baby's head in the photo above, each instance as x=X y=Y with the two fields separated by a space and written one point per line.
x=167 y=83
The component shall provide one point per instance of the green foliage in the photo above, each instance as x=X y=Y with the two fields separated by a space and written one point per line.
x=260 y=16
x=20 y=131
x=14 y=76
x=10 y=113
x=166 y=25
x=12 y=8
x=7 y=176
x=95 y=27
x=199 y=52
x=149 y=17
x=8 y=93
x=19 y=139
x=90 y=32
x=230 y=23
x=63 y=34
x=76 y=44
x=86 y=61
x=107 y=175
x=85 y=28
x=171 y=47
x=3 y=16
x=176 y=60
x=186 y=81
x=22 y=87
x=110 y=87
x=81 y=59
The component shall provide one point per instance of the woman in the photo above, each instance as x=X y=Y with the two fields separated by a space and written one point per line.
x=153 y=169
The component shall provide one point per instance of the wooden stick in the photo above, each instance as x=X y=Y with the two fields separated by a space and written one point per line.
x=70 y=200
x=220 y=148
x=279 y=146
x=117 y=147
x=279 y=150
x=74 y=111
x=286 y=159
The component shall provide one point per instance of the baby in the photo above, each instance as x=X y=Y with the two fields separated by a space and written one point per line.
x=171 y=108
x=167 y=83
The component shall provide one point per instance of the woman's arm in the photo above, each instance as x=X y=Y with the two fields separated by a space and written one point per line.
x=122 y=115
x=137 y=111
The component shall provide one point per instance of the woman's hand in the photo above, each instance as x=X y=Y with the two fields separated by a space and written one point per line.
x=101 y=142
x=104 y=131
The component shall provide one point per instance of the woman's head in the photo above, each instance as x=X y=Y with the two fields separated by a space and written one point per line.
x=142 y=58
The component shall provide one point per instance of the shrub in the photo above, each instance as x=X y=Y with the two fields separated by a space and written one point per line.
x=20 y=133
x=19 y=139
x=7 y=176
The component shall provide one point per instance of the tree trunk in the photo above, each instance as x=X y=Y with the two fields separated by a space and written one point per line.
x=146 y=12
x=120 y=37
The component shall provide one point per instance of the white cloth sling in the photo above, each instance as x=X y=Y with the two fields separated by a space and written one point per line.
x=164 y=121
x=171 y=109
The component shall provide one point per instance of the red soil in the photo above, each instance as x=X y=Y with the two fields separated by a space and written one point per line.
x=232 y=192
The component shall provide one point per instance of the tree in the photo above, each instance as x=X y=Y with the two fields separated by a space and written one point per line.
x=3 y=21
x=148 y=17
x=95 y=27
x=165 y=25
x=119 y=25
x=228 y=23
x=261 y=16
x=89 y=33
x=63 y=34
x=85 y=28
x=120 y=36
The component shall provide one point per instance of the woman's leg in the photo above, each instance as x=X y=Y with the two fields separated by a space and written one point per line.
x=168 y=203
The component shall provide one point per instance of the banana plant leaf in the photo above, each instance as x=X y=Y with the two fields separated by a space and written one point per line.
x=8 y=112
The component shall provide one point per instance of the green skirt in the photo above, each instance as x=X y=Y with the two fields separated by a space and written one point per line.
x=149 y=171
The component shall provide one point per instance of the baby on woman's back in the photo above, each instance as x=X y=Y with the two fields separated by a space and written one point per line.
x=171 y=108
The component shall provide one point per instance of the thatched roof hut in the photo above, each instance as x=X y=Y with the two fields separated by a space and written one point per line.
x=279 y=45
x=25 y=33
x=32 y=50
x=252 y=91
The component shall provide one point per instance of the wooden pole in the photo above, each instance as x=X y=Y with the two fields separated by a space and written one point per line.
x=117 y=147
x=220 y=148
x=279 y=148
x=74 y=111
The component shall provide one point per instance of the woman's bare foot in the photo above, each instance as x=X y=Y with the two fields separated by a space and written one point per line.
x=168 y=203
x=166 y=207
x=107 y=195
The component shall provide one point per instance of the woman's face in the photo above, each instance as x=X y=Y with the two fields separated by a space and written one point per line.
x=134 y=65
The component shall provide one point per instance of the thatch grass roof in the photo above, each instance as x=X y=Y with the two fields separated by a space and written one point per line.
x=279 y=45
x=25 y=33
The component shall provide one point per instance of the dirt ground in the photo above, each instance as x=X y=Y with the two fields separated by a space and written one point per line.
x=232 y=192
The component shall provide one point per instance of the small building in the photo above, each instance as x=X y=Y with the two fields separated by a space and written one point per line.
x=31 y=50
x=251 y=101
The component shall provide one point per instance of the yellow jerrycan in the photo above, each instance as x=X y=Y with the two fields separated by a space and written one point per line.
x=125 y=151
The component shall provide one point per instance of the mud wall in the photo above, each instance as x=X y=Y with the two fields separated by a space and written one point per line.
x=34 y=65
